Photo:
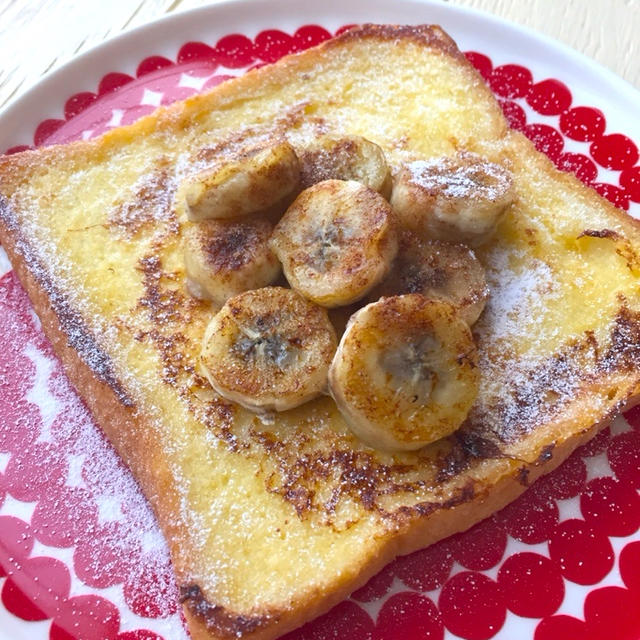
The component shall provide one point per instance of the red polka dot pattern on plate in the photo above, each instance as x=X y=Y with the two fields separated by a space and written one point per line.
x=410 y=616
x=572 y=543
x=612 y=612
x=562 y=627
x=511 y=81
x=481 y=62
x=480 y=548
x=530 y=518
x=614 y=151
x=584 y=124
x=546 y=139
x=532 y=585
x=549 y=97
x=346 y=620
x=472 y=606
x=514 y=113
x=37 y=591
x=87 y=617
x=624 y=457
x=630 y=566
x=630 y=182
x=427 y=569
x=611 y=506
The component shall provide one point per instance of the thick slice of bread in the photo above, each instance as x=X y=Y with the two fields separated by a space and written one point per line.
x=270 y=525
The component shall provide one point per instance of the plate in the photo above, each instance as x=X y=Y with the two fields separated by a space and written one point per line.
x=80 y=555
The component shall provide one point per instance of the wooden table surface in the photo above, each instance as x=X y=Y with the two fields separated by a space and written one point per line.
x=39 y=35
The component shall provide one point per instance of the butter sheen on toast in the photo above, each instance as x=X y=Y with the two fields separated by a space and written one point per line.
x=269 y=525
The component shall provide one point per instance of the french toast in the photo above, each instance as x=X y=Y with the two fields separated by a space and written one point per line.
x=271 y=523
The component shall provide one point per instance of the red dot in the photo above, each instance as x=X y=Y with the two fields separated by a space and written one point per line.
x=583 y=167
x=426 y=569
x=65 y=517
x=346 y=620
x=549 y=97
x=611 y=506
x=151 y=64
x=630 y=182
x=530 y=519
x=139 y=634
x=16 y=539
x=633 y=416
x=151 y=592
x=78 y=103
x=514 y=114
x=113 y=81
x=584 y=124
x=630 y=566
x=410 y=616
x=561 y=628
x=272 y=44
x=472 y=606
x=532 y=585
x=45 y=130
x=481 y=547
x=596 y=445
x=612 y=612
x=377 y=587
x=37 y=590
x=103 y=559
x=546 y=139
x=481 y=62
x=624 y=457
x=583 y=553
x=615 y=151
x=567 y=481
x=511 y=81
x=35 y=472
x=88 y=617
x=310 y=35
x=235 y=51
x=195 y=51
x=17 y=149
x=615 y=195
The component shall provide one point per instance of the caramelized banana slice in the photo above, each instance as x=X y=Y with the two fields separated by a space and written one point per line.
x=225 y=257
x=438 y=270
x=336 y=241
x=404 y=374
x=345 y=158
x=459 y=199
x=249 y=181
x=269 y=349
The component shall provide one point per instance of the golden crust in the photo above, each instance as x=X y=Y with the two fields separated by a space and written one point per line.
x=480 y=469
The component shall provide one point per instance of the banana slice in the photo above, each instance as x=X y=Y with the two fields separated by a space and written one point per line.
x=223 y=258
x=458 y=199
x=404 y=374
x=269 y=349
x=336 y=241
x=248 y=181
x=345 y=158
x=438 y=270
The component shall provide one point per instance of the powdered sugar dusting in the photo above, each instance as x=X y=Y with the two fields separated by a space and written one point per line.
x=470 y=178
x=94 y=503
